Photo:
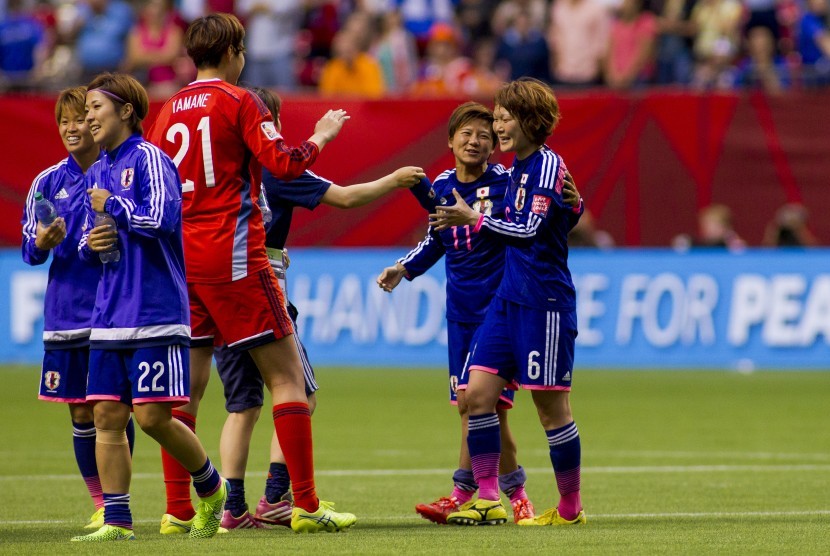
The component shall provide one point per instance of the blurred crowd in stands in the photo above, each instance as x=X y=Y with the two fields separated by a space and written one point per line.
x=373 y=48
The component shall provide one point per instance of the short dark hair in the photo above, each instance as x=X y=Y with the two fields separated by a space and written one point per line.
x=534 y=106
x=468 y=112
x=124 y=89
x=209 y=38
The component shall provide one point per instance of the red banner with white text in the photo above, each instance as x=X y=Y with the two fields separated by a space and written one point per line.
x=645 y=163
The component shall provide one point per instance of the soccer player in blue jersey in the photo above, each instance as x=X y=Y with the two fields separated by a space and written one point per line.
x=70 y=291
x=141 y=320
x=474 y=266
x=528 y=335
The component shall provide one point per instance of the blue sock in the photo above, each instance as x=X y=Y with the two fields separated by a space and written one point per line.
x=277 y=483
x=236 y=498
x=484 y=442
x=206 y=480
x=83 y=440
x=117 y=510
x=566 y=457
x=131 y=435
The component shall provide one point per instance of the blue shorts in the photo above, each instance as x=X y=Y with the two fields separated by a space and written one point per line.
x=460 y=336
x=243 y=382
x=144 y=375
x=63 y=376
x=528 y=347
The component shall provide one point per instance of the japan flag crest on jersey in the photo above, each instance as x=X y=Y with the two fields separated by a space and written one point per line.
x=127 y=179
x=521 y=193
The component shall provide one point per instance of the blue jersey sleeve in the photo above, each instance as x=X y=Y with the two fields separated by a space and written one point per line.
x=544 y=198
x=158 y=210
x=84 y=252
x=305 y=191
x=425 y=195
x=32 y=254
x=424 y=256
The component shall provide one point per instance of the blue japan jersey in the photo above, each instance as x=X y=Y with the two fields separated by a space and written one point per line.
x=142 y=299
x=535 y=228
x=474 y=262
x=70 y=291
x=306 y=191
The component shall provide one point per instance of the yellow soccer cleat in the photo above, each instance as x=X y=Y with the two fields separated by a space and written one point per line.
x=171 y=525
x=324 y=519
x=107 y=533
x=209 y=513
x=480 y=512
x=552 y=517
x=97 y=520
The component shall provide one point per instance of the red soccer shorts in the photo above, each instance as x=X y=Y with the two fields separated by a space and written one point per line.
x=246 y=313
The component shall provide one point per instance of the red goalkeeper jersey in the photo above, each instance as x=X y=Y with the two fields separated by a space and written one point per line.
x=218 y=135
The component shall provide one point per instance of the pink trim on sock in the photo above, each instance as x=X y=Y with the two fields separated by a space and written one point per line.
x=93 y=485
x=568 y=483
x=462 y=496
x=488 y=487
x=570 y=505
x=518 y=494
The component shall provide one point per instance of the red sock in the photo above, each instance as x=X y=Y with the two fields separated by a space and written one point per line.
x=177 y=478
x=292 y=421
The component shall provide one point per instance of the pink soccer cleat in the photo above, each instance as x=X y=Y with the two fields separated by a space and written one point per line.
x=272 y=515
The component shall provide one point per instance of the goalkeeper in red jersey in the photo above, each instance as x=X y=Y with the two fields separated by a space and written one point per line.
x=218 y=134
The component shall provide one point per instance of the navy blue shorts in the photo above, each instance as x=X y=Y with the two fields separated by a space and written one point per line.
x=528 y=347
x=460 y=337
x=63 y=375
x=154 y=374
x=242 y=381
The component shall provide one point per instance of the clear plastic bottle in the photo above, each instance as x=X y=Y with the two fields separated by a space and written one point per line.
x=267 y=215
x=113 y=255
x=44 y=210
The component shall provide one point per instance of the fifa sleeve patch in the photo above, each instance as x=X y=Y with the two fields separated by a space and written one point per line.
x=540 y=205
x=270 y=131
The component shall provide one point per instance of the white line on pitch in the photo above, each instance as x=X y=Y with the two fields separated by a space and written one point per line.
x=662 y=515
x=610 y=470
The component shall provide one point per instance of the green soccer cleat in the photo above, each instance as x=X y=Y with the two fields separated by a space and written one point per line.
x=97 y=520
x=209 y=513
x=107 y=533
x=480 y=512
x=171 y=525
x=552 y=517
x=324 y=519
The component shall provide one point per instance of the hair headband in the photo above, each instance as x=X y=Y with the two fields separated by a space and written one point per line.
x=111 y=95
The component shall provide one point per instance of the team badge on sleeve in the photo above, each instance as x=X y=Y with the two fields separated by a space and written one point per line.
x=540 y=205
x=127 y=178
x=270 y=130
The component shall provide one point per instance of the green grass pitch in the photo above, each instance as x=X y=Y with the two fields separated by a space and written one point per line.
x=673 y=462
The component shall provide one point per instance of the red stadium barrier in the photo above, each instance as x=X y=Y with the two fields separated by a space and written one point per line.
x=644 y=162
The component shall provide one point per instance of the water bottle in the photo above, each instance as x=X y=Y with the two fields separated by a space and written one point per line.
x=267 y=215
x=113 y=255
x=44 y=210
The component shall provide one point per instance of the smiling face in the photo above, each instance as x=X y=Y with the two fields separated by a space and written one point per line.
x=472 y=143
x=509 y=134
x=109 y=122
x=75 y=134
